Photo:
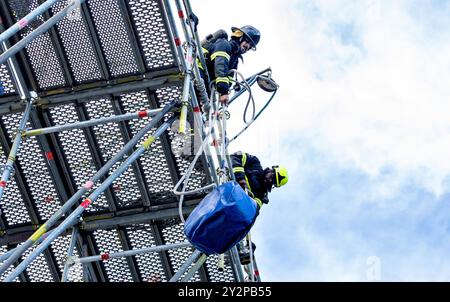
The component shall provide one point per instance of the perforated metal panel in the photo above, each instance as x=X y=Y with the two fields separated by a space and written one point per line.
x=130 y=37
x=11 y=205
x=173 y=233
x=150 y=265
x=154 y=162
x=60 y=247
x=77 y=44
x=198 y=178
x=113 y=35
x=213 y=271
x=6 y=83
x=117 y=269
x=41 y=51
x=38 y=270
x=3 y=249
x=152 y=33
x=110 y=142
x=35 y=170
x=76 y=150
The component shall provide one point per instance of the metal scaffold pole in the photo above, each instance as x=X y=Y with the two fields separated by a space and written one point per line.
x=39 y=31
x=76 y=214
x=129 y=253
x=185 y=266
x=73 y=240
x=198 y=120
x=95 y=122
x=86 y=187
x=27 y=19
x=9 y=166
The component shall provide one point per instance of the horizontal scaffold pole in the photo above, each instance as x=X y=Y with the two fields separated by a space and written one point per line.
x=100 y=121
x=39 y=31
x=72 y=219
x=86 y=187
x=129 y=253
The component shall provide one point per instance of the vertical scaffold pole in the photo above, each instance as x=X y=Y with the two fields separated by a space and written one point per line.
x=39 y=31
x=195 y=104
x=86 y=187
x=76 y=214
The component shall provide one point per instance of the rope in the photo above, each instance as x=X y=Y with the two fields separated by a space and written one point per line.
x=188 y=172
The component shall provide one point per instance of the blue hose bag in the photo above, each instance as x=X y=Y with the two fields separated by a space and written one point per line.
x=221 y=219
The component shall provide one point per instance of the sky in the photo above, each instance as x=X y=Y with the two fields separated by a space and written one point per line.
x=361 y=122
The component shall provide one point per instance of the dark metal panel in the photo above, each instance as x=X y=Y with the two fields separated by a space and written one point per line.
x=75 y=148
x=95 y=156
x=34 y=169
x=117 y=269
x=135 y=166
x=41 y=52
x=56 y=42
x=150 y=265
x=135 y=272
x=17 y=217
x=73 y=32
x=151 y=28
x=153 y=162
x=110 y=26
x=131 y=35
x=109 y=142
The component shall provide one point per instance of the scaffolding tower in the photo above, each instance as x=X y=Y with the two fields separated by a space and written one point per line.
x=96 y=100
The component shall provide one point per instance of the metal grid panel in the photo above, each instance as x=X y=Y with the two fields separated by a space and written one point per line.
x=11 y=205
x=110 y=142
x=198 y=178
x=213 y=272
x=173 y=233
x=35 y=170
x=117 y=269
x=6 y=83
x=77 y=44
x=38 y=270
x=42 y=55
x=3 y=249
x=60 y=247
x=113 y=36
x=152 y=33
x=150 y=265
x=154 y=162
x=76 y=150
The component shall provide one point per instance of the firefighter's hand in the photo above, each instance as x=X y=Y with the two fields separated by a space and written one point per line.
x=223 y=99
x=243 y=184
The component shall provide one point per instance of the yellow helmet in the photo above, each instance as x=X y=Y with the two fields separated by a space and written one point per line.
x=281 y=176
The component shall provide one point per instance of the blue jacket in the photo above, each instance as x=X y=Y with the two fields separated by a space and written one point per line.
x=221 y=56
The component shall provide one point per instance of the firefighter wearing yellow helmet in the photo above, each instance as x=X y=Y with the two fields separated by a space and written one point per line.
x=257 y=181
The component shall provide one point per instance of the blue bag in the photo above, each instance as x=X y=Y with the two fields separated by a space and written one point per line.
x=221 y=219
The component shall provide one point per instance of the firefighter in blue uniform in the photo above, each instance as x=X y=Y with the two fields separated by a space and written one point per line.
x=257 y=181
x=223 y=55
